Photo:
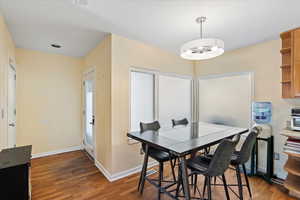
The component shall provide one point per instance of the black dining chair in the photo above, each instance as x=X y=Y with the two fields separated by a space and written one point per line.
x=157 y=154
x=216 y=166
x=180 y=122
x=239 y=158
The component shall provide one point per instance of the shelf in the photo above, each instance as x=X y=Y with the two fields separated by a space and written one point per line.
x=287 y=81
x=292 y=183
x=292 y=166
x=285 y=66
x=290 y=133
x=285 y=35
x=296 y=155
x=285 y=50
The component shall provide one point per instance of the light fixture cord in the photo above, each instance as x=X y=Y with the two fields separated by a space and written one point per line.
x=201 y=29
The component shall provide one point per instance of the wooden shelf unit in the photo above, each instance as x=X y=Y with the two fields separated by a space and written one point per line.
x=285 y=50
x=292 y=166
x=285 y=66
x=292 y=183
x=290 y=68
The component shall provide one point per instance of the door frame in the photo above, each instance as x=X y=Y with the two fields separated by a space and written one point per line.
x=86 y=73
x=11 y=66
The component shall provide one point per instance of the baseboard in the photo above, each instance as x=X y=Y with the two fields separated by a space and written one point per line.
x=50 y=153
x=103 y=170
x=113 y=177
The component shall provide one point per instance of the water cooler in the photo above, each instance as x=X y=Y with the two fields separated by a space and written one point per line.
x=262 y=116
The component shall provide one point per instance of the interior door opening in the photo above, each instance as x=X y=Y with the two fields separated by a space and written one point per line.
x=89 y=113
x=11 y=107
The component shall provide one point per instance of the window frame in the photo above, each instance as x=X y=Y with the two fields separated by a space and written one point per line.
x=156 y=75
x=145 y=71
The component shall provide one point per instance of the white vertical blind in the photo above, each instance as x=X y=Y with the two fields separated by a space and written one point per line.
x=226 y=99
x=174 y=99
x=142 y=99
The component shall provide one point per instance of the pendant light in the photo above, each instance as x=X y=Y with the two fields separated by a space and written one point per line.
x=203 y=48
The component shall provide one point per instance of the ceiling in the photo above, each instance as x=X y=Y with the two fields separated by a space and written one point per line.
x=35 y=24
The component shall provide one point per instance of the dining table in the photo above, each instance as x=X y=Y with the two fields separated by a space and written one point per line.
x=181 y=141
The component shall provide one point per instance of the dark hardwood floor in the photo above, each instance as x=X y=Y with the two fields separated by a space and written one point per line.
x=73 y=176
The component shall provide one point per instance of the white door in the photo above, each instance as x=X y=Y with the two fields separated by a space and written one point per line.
x=89 y=114
x=11 y=137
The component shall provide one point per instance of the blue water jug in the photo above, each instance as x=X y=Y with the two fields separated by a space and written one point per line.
x=262 y=112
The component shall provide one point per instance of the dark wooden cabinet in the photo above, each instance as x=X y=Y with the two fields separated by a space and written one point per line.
x=15 y=173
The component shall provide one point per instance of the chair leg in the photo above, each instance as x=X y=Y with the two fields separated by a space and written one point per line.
x=207 y=150
x=209 y=187
x=239 y=180
x=144 y=171
x=178 y=182
x=175 y=161
x=204 y=187
x=195 y=183
x=161 y=175
x=247 y=181
x=215 y=180
x=173 y=169
x=225 y=187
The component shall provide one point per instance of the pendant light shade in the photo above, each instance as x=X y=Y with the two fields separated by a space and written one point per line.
x=202 y=48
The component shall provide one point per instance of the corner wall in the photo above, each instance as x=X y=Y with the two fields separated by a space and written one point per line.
x=128 y=53
x=100 y=59
x=264 y=60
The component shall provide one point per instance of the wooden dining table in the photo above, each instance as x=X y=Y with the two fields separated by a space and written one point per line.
x=185 y=140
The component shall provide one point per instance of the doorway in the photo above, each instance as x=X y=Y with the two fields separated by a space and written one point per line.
x=89 y=111
x=11 y=107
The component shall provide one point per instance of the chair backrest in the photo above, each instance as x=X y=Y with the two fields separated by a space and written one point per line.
x=222 y=157
x=247 y=147
x=236 y=138
x=153 y=126
x=180 y=122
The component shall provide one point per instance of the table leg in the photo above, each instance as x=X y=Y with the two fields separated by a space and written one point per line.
x=184 y=176
x=144 y=170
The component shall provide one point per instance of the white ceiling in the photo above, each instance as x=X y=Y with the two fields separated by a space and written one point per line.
x=35 y=24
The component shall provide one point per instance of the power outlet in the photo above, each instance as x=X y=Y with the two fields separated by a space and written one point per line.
x=276 y=156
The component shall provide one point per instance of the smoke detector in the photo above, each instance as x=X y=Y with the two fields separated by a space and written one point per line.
x=83 y=3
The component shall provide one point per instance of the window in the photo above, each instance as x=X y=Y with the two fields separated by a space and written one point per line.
x=158 y=96
x=226 y=99
x=175 y=99
x=142 y=98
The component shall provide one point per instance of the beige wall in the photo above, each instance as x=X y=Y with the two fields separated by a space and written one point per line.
x=128 y=53
x=264 y=60
x=100 y=59
x=7 y=51
x=48 y=100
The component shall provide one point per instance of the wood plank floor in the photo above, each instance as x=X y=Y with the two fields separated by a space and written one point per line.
x=73 y=176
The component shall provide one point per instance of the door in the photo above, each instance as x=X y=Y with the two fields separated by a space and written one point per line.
x=11 y=107
x=89 y=114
